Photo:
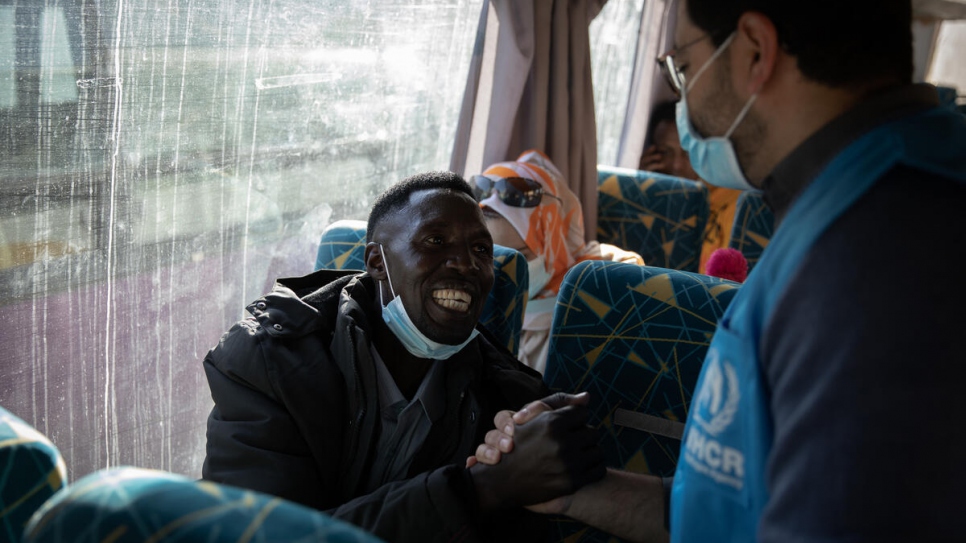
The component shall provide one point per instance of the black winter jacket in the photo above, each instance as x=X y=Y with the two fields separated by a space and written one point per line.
x=296 y=412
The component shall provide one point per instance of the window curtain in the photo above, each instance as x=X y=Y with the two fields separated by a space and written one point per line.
x=530 y=86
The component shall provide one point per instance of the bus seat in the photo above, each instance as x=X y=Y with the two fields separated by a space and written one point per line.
x=947 y=97
x=129 y=504
x=753 y=227
x=661 y=217
x=33 y=470
x=635 y=338
x=343 y=245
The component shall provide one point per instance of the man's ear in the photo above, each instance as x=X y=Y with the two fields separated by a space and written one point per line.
x=374 y=261
x=757 y=52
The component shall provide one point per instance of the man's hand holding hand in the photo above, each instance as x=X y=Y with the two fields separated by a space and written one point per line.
x=554 y=454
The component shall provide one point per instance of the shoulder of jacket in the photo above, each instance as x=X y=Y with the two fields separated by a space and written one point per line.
x=282 y=314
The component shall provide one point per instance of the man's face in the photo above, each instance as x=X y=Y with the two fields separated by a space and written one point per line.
x=713 y=104
x=439 y=256
x=710 y=97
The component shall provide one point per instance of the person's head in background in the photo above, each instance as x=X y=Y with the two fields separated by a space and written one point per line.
x=663 y=152
x=528 y=207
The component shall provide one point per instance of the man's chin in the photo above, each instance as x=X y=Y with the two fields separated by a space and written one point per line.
x=449 y=337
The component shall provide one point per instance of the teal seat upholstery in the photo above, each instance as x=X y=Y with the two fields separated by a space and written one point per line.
x=947 y=97
x=343 y=245
x=133 y=505
x=503 y=311
x=31 y=471
x=635 y=338
x=661 y=217
x=753 y=227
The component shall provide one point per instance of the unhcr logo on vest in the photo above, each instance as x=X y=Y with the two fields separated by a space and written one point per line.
x=715 y=407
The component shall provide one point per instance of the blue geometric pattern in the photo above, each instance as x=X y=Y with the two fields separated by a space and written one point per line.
x=753 y=227
x=31 y=470
x=661 y=217
x=635 y=338
x=343 y=245
x=133 y=505
x=504 y=308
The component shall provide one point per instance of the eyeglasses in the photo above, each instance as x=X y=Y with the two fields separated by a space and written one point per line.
x=512 y=191
x=675 y=77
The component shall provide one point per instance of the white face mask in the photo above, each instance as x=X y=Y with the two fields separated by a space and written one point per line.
x=713 y=159
x=396 y=317
x=538 y=275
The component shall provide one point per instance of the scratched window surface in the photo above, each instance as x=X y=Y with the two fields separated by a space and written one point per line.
x=163 y=161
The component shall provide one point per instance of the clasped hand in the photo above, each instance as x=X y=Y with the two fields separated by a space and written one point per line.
x=538 y=456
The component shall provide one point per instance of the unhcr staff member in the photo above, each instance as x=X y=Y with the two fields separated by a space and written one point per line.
x=362 y=394
x=830 y=406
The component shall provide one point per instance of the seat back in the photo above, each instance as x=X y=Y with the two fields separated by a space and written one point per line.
x=753 y=227
x=132 y=505
x=32 y=471
x=635 y=338
x=661 y=217
x=343 y=246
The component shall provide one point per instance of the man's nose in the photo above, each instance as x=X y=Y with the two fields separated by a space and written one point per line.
x=463 y=259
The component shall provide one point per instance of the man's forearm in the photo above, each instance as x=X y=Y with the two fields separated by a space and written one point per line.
x=628 y=505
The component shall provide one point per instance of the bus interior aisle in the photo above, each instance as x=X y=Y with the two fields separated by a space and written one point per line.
x=162 y=163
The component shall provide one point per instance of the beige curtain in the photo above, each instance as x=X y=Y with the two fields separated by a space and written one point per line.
x=530 y=86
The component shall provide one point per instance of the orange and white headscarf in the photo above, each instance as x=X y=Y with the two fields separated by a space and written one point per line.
x=555 y=228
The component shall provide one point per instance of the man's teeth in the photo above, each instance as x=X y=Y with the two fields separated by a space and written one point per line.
x=456 y=300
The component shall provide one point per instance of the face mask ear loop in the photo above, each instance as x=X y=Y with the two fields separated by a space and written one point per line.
x=741 y=116
x=388 y=277
x=710 y=61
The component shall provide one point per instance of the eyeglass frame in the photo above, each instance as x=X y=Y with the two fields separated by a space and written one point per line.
x=674 y=75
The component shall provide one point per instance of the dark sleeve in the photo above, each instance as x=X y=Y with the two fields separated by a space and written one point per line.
x=253 y=441
x=865 y=364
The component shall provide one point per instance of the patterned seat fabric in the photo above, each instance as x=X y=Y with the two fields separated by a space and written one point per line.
x=136 y=505
x=753 y=227
x=343 y=244
x=31 y=471
x=661 y=217
x=635 y=338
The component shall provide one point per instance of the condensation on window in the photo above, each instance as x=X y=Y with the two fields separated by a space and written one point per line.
x=613 y=43
x=163 y=162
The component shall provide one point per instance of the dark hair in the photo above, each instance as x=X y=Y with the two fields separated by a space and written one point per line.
x=662 y=112
x=839 y=44
x=397 y=196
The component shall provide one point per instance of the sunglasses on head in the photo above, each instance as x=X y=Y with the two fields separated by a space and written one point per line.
x=512 y=191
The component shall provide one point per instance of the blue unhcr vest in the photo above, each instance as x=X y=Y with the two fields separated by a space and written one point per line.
x=719 y=489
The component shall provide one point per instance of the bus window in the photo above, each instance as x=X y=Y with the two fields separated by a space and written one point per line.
x=163 y=163
x=613 y=41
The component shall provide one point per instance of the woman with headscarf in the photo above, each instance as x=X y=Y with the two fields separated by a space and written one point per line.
x=528 y=207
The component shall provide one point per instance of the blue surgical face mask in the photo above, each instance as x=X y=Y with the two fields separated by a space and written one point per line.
x=714 y=158
x=538 y=275
x=397 y=319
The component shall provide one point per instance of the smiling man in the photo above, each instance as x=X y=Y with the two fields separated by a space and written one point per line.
x=360 y=394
